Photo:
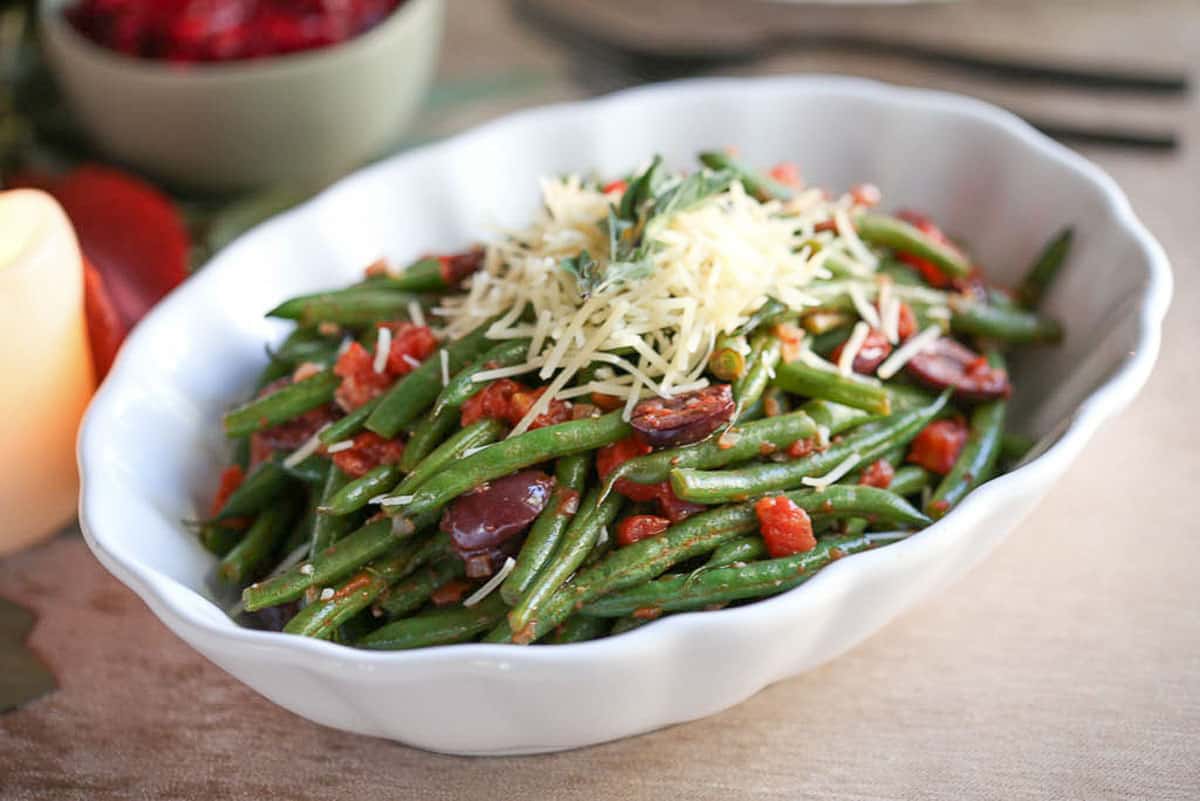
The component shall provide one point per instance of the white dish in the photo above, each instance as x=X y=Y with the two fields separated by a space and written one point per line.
x=151 y=443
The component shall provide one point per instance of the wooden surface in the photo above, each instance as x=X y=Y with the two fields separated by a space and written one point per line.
x=1065 y=666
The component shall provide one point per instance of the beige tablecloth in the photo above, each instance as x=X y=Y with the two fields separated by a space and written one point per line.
x=1065 y=666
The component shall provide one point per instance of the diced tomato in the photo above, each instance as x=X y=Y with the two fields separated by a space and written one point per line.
x=802 y=447
x=786 y=528
x=866 y=194
x=451 y=593
x=791 y=337
x=409 y=342
x=377 y=269
x=907 y=325
x=368 y=452
x=786 y=173
x=929 y=271
x=509 y=401
x=639 y=527
x=617 y=187
x=878 y=474
x=231 y=478
x=610 y=457
x=938 y=445
x=292 y=434
x=874 y=350
x=360 y=382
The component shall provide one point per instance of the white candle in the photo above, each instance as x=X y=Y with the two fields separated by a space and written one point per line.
x=45 y=364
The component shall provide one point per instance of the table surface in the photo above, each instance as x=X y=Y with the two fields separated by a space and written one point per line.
x=1065 y=666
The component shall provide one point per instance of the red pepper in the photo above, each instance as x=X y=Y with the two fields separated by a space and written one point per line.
x=786 y=528
x=937 y=446
x=639 y=527
x=878 y=474
x=360 y=382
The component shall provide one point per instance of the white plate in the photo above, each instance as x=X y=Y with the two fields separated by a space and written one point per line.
x=151 y=446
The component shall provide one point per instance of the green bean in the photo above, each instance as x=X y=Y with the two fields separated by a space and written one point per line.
x=738 y=444
x=769 y=312
x=761 y=186
x=868 y=441
x=835 y=417
x=267 y=531
x=307 y=345
x=412 y=395
x=349 y=425
x=570 y=476
x=578 y=628
x=413 y=592
x=438 y=627
x=765 y=349
x=475 y=436
x=321 y=618
x=594 y=516
x=639 y=562
x=358 y=493
x=825 y=343
x=335 y=562
x=775 y=402
x=256 y=492
x=909 y=480
x=312 y=471
x=463 y=385
x=1041 y=275
x=282 y=405
x=741 y=549
x=359 y=305
x=890 y=232
x=301 y=532
x=822 y=321
x=835 y=295
x=501 y=633
x=847 y=500
x=814 y=382
x=425 y=438
x=1014 y=446
x=514 y=453
x=727 y=362
x=328 y=529
x=628 y=623
x=726 y=584
x=1001 y=323
x=903 y=274
x=977 y=459
x=219 y=540
x=423 y=275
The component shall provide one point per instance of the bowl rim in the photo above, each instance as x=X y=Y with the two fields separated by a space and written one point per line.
x=1113 y=395
x=53 y=23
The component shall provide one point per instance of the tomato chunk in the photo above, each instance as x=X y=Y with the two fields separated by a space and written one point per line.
x=368 y=452
x=639 y=527
x=786 y=173
x=907 y=324
x=878 y=474
x=616 y=187
x=231 y=478
x=938 y=445
x=929 y=271
x=411 y=345
x=610 y=457
x=360 y=382
x=786 y=528
x=509 y=401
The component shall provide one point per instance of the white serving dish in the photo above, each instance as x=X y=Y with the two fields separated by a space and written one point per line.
x=151 y=445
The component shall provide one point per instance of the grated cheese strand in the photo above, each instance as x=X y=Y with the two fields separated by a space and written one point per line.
x=491 y=584
x=834 y=475
x=338 y=447
x=445 y=359
x=901 y=355
x=864 y=308
x=310 y=446
x=415 y=313
x=853 y=345
x=383 y=348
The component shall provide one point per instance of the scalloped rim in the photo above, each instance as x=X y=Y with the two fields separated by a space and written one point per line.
x=157 y=590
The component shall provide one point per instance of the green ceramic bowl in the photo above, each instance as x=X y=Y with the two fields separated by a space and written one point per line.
x=298 y=118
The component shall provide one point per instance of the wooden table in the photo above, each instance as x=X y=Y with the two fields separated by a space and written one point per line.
x=1065 y=666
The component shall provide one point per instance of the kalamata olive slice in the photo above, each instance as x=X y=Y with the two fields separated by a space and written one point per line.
x=875 y=348
x=947 y=364
x=489 y=516
x=685 y=418
x=456 y=268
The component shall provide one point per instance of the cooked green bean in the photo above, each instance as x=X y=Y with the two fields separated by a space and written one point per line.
x=1043 y=272
x=514 y=453
x=438 y=627
x=360 y=305
x=219 y=539
x=815 y=382
x=765 y=349
x=349 y=425
x=356 y=494
x=727 y=361
x=594 y=516
x=890 y=232
x=769 y=312
x=463 y=385
x=724 y=584
x=868 y=442
x=628 y=623
x=762 y=186
x=1014 y=446
x=425 y=438
x=312 y=471
x=267 y=532
x=570 y=475
x=308 y=345
x=265 y=483
x=741 y=549
x=579 y=628
x=414 y=393
x=977 y=459
x=910 y=479
x=1005 y=324
x=282 y=405
x=423 y=275
x=327 y=528
x=413 y=592
x=473 y=437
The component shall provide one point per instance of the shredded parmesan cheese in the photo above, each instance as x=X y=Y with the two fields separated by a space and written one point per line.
x=834 y=475
x=410 y=360
x=415 y=313
x=909 y=349
x=853 y=345
x=338 y=447
x=865 y=310
x=392 y=500
x=383 y=347
x=306 y=450
x=492 y=583
x=445 y=359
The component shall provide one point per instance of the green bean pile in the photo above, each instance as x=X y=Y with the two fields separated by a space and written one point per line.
x=342 y=520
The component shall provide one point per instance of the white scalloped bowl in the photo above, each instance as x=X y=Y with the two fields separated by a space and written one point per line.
x=151 y=445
